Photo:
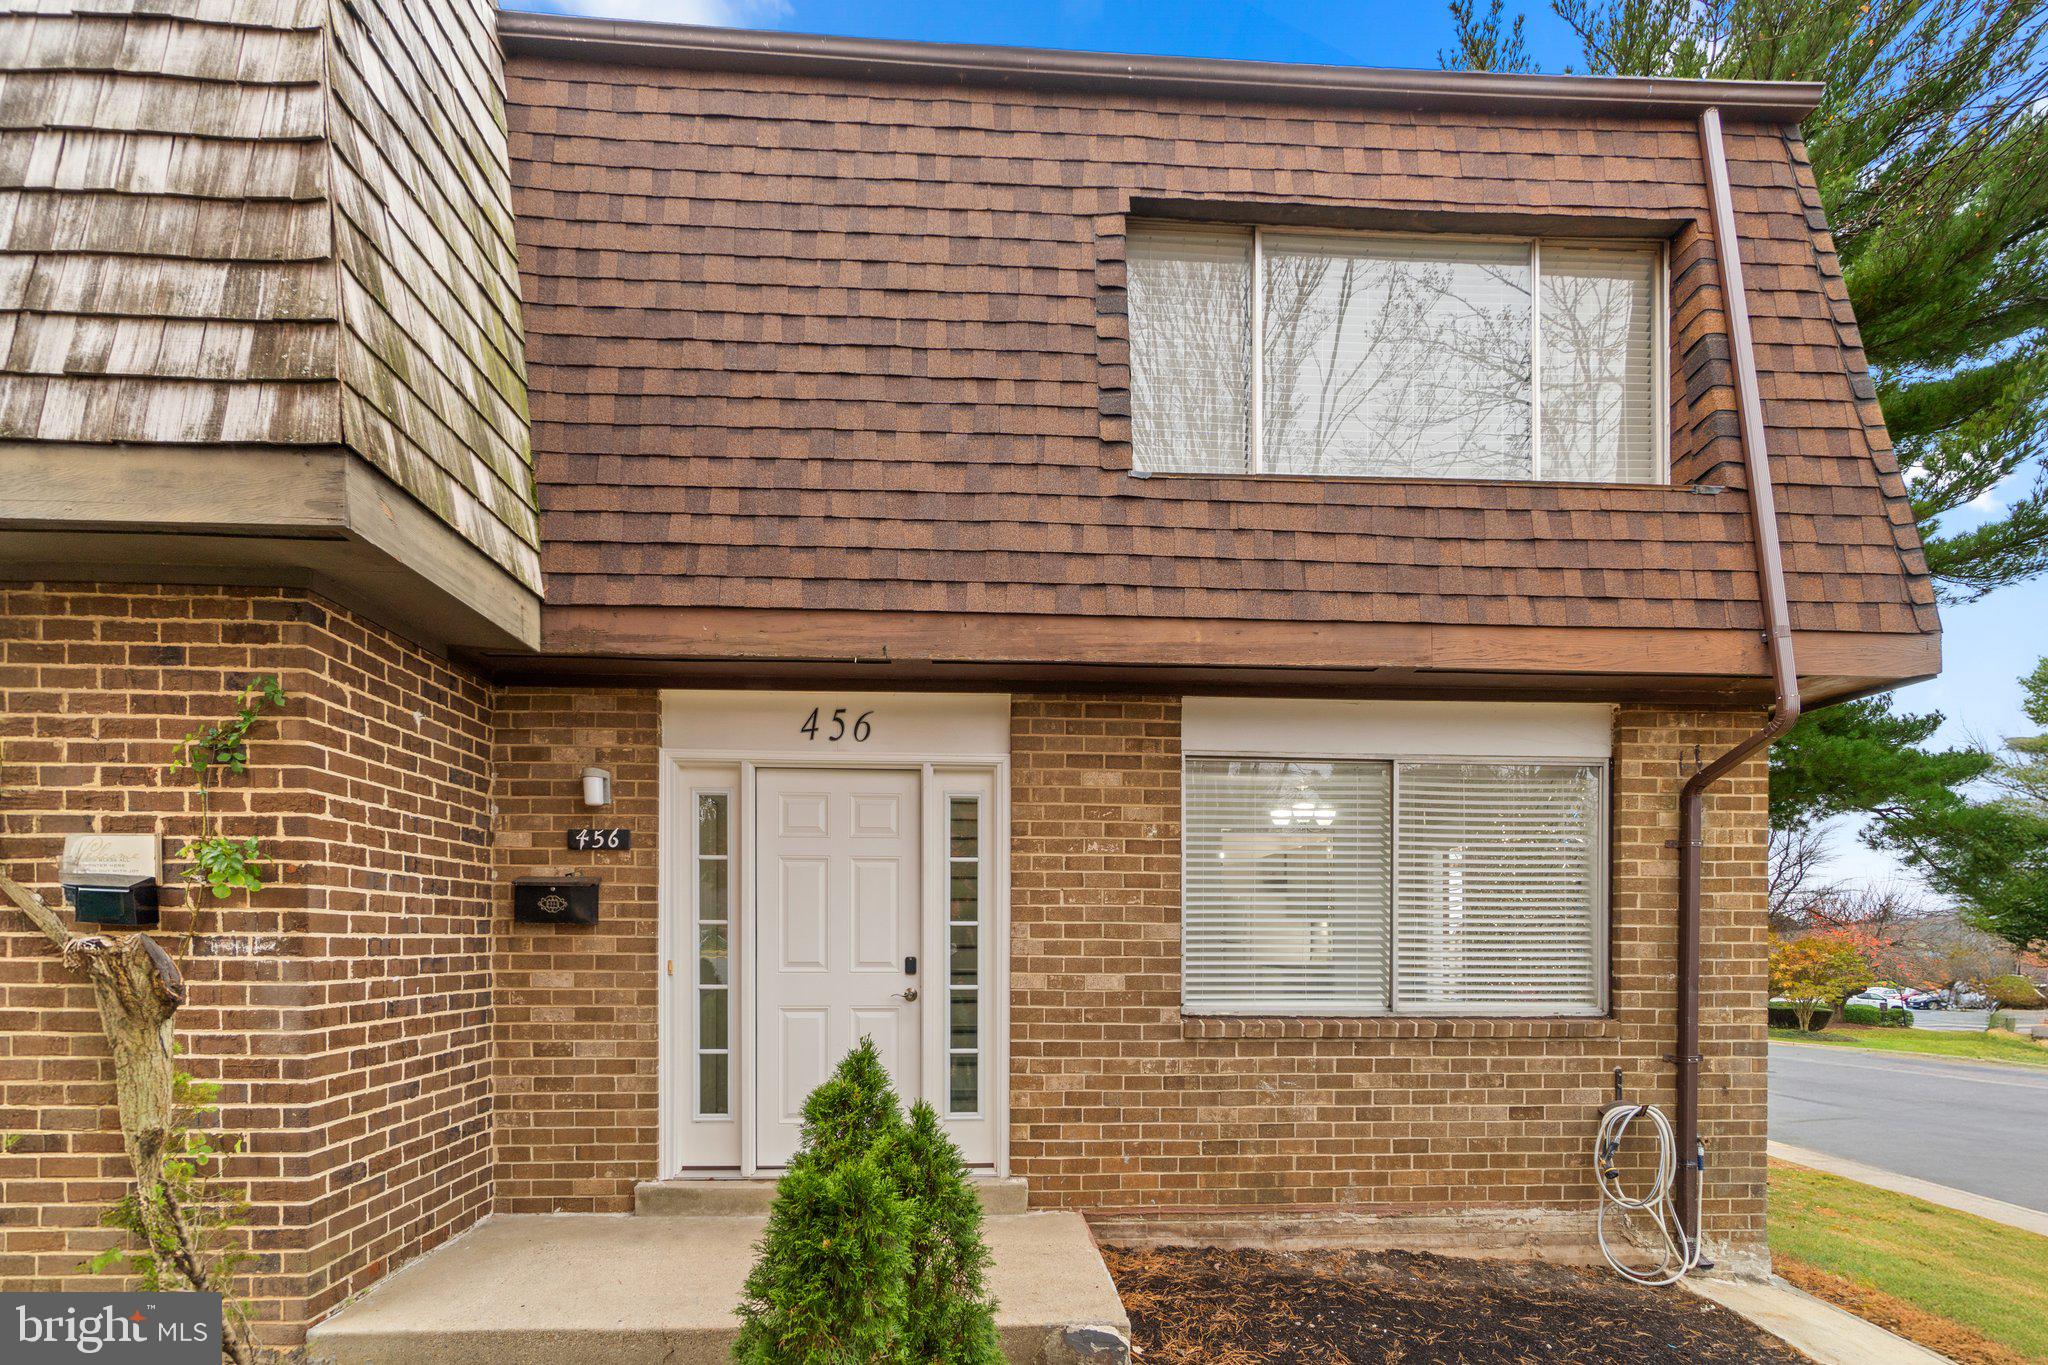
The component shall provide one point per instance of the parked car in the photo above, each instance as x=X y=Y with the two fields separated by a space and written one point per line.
x=1884 y=997
x=1896 y=998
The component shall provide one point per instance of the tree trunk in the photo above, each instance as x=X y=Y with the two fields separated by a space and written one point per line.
x=138 y=989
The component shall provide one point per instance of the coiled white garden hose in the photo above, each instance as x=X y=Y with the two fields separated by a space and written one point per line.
x=1679 y=1255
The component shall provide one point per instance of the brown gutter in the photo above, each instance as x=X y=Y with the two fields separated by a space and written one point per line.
x=647 y=44
x=1770 y=572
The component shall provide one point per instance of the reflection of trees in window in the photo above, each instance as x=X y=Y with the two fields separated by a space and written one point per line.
x=1403 y=357
x=1190 y=302
x=1392 y=359
x=1598 y=385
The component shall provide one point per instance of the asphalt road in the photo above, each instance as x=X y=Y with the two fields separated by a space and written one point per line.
x=1980 y=1127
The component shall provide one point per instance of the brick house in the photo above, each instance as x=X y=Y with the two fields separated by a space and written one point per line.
x=1180 y=596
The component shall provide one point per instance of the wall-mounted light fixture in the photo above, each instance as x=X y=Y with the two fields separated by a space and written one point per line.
x=597 y=787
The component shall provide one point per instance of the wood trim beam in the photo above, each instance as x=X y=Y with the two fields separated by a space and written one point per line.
x=320 y=518
x=737 y=641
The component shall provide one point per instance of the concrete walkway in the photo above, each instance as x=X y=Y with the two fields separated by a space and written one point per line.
x=596 y=1289
x=1830 y=1335
x=1996 y=1210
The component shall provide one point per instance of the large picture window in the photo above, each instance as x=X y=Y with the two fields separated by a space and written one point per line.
x=1371 y=887
x=1263 y=351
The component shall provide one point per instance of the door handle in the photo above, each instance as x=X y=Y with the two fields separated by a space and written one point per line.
x=907 y=996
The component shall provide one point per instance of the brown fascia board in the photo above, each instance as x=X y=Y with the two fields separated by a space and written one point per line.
x=918 y=648
x=650 y=44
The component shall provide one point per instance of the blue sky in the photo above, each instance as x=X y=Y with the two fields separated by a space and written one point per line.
x=1989 y=644
x=1356 y=33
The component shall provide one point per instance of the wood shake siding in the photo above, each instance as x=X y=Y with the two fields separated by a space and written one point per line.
x=819 y=341
x=830 y=372
x=166 y=248
x=433 y=382
x=268 y=224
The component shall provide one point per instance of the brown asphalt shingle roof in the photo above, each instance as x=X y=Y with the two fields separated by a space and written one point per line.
x=812 y=341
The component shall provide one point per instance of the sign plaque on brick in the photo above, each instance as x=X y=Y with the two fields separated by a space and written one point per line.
x=600 y=840
x=100 y=857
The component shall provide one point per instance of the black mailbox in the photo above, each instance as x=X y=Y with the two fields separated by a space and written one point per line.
x=554 y=900
x=129 y=903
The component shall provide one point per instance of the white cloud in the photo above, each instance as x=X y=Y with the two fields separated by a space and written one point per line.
x=718 y=13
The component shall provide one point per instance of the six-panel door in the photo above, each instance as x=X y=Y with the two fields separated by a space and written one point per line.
x=838 y=878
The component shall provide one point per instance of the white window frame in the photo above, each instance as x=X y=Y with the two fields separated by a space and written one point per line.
x=1660 y=348
x=949 y=987
x=1398 y=733
x=690 y=949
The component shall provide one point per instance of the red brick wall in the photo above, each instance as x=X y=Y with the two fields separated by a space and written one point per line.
x=344 y=1008
x=404 y=1058
x=576 y=1031
x=1118 y=1102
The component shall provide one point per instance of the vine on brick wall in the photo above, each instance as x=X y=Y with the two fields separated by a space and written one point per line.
x=222 y=864
x=182 y=1218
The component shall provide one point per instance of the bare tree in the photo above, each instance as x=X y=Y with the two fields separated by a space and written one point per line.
x=1796 y=858
x=1886 y=911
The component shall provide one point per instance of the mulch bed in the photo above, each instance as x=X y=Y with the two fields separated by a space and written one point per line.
x=1210 y=1306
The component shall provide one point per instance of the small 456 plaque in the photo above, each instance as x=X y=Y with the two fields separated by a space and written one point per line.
x=599 y=840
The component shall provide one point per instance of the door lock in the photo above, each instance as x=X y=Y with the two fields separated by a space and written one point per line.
x=908 y=996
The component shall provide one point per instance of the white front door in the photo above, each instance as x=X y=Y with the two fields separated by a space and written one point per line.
x=838 y=878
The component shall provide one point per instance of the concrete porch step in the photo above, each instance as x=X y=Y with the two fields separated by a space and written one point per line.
x=719 y=1195
x=610 y=1289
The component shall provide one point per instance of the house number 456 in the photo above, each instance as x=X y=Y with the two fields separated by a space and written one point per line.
x=834 y=727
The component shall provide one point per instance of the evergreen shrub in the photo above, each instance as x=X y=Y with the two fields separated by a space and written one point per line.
x=873 y=1253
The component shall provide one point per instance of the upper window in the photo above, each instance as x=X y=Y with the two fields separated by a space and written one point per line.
x=1263 y=351
x=1372 y=887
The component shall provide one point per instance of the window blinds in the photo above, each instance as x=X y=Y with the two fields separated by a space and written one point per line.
x=1394 y=356
x=1286 y=887
x=1599 y=362
x=1191 y=318
x=1364 y=887
x=1497 y=888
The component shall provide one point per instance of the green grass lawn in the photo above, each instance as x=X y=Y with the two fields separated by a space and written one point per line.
x=1989 y=1279
x=1983 y=1047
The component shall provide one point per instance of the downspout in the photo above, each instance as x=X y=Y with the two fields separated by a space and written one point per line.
x=1770 y=571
